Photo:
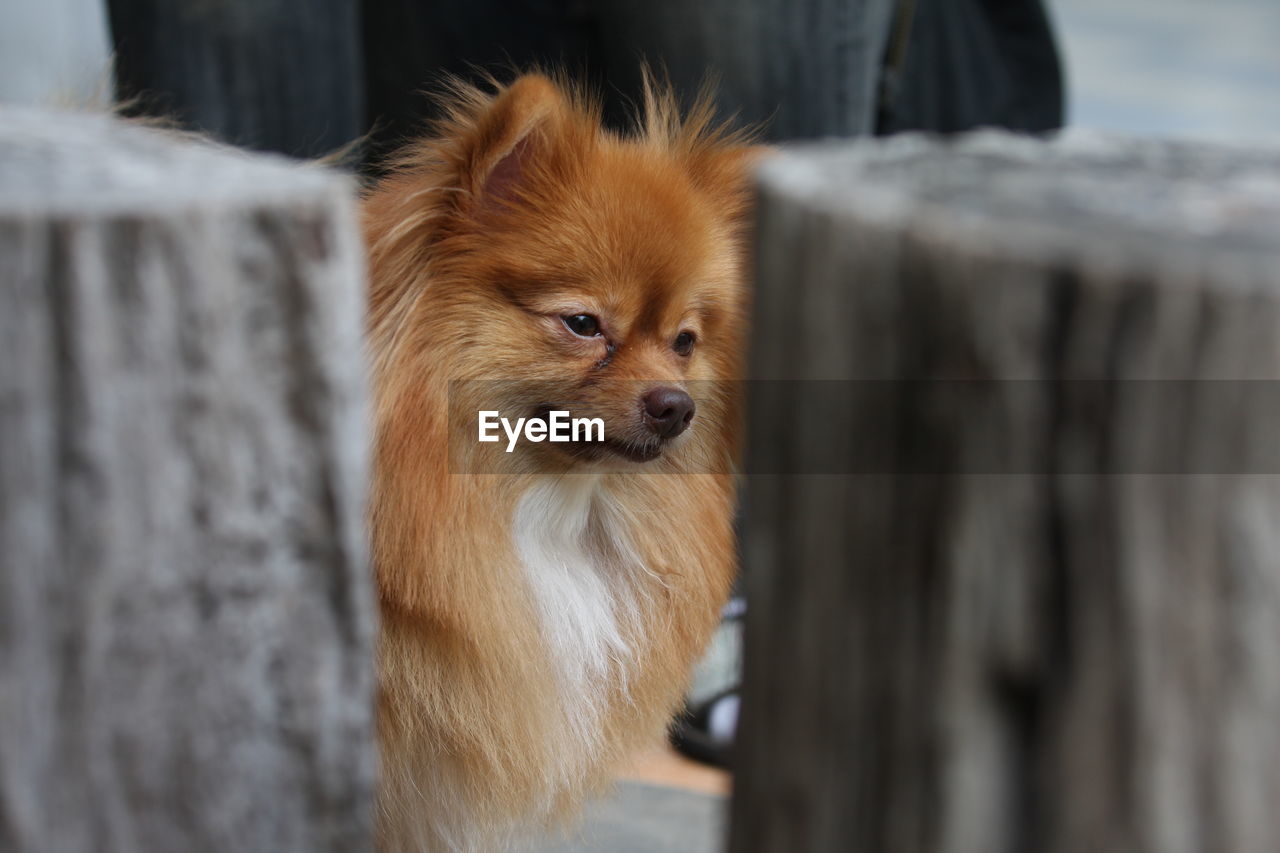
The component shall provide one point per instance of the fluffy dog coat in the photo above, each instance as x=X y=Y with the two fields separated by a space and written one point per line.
x=539 y=623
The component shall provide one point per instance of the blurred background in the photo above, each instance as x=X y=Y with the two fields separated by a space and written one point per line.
x=308 y=77
x=304 y=78
x=1173 y=67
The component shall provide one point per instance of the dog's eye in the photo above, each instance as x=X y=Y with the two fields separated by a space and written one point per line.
x=683 y=344
x=582 y=325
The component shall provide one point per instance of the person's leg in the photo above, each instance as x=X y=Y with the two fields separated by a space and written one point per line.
x=806 y=68
x=973 y=63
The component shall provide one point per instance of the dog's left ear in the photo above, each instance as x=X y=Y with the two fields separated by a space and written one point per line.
x=726 y=173
x=727 y=168
x=507 y=140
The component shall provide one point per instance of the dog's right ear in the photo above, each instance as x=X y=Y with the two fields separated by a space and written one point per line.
x=508 y=137
x=479 y=163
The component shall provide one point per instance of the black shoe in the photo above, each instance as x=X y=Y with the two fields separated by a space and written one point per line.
x=704 y=732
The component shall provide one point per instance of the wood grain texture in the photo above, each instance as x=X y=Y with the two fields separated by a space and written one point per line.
x=1042 y=611
x=186 y=620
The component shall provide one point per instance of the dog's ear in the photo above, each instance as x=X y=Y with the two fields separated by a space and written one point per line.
x=480 y=160
x=727 y=168
x=510 y=136
x=726 y=173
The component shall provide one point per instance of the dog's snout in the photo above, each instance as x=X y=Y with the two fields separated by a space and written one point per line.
x=667 y=411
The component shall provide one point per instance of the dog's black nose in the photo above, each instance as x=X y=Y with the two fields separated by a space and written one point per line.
x=667 y=411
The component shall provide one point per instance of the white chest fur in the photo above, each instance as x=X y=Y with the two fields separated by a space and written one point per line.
x=587 y=584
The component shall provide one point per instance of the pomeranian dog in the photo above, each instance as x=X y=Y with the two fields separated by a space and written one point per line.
x=542 y=608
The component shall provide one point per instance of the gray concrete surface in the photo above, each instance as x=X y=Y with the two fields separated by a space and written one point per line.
x=1194 y=68
x=54 y=53
x=642 y=818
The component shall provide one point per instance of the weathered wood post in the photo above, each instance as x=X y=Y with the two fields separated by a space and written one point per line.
x=1014 y=560
x=185 y=615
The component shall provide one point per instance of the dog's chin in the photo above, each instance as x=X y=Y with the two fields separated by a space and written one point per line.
x=609 y=451
x=642 y=453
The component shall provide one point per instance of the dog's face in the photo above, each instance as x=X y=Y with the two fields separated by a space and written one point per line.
x=582 y=272
x=613 y=290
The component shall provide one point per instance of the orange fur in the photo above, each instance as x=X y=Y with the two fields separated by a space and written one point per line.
x=521 y=209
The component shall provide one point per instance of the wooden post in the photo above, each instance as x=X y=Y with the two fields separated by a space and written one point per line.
x=1014 y=559
x=186 y=621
